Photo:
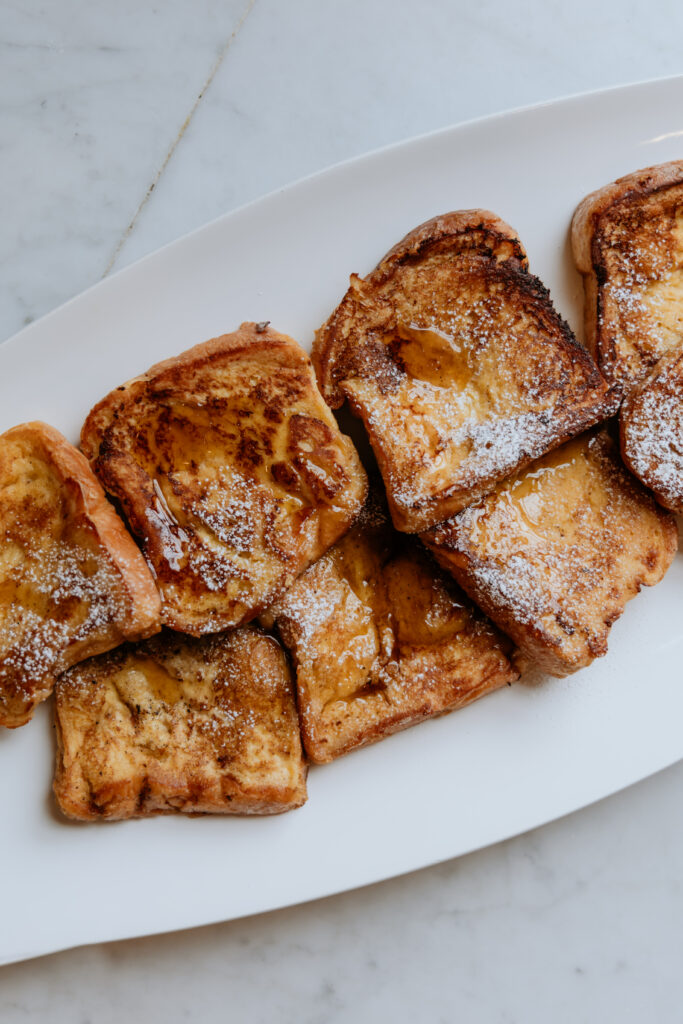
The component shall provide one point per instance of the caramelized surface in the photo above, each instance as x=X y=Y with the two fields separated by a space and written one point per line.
x=382 y=639
x=177 y=724
x=62 y=594
x=554 y=554
x=231 y=471
x=652 y=430
x=637 y=255
x=460 y=369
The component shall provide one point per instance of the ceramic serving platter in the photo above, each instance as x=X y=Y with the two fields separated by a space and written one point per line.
x=514 y=760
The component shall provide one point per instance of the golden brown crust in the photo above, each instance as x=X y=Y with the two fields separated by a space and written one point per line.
x=554 y=554
x=203 y=726
x=627 y=240
x=231 y=471
x=474 y=229
x=459 y=230
x=72 y=582
x=381 y=639
x=651 y=428
x=456 y=361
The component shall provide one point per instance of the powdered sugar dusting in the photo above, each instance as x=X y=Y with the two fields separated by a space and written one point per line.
x=474 y=375
x=640 y=313
x=554 y=554
x=380 y=639
x=652 y=424
x=58 y=595
x=177 y=723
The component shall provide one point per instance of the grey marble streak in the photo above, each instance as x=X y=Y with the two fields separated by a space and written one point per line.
x=308 y=84
x=92 y=98
x=577 y=921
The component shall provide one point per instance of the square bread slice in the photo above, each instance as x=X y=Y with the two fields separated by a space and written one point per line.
x=651 y=424
x=453 y=356
x=628 y=244
x=381 y=639
x=180 y=724
x=232 y=473
x=554 y=554
x=72 y=582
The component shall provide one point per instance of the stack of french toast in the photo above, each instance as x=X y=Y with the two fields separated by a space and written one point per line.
x=217 y=591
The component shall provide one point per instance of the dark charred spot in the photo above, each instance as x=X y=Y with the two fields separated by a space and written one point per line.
x=651 y=559
x=248 y=452
x=284 y=475
x=273 y=413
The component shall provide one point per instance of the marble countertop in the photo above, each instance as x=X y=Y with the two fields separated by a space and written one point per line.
x=124 y=127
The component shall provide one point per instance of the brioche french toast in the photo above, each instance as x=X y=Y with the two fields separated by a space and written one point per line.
x=453 y=356
x=554 y=553
x=72 y=582
x=203 y=725
x=231 y=471
x=627 y=240
x=381 y=639
x=651 y=427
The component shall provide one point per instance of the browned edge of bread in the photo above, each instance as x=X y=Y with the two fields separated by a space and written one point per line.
x=251 y=337
x=584 y=225
x=131 y=485
x=169 y=726
x=651 y=430
x=143 y=616
x=460 y=229
x=531 y=612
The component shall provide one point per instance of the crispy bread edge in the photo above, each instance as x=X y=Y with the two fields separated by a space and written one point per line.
x=415 y=245
x=321 y=751
x=115 y=471
x=628 y=409
x=534 y=642
x=584 y=226
x=254 y=337
x=145 y=616
x=72 y=792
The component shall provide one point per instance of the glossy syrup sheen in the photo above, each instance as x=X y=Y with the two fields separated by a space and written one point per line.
x=524 y=502
x=432 y=355
x=161 y=684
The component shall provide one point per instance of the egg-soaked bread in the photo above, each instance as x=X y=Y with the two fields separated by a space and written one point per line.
x=453 y=356
x=180 y=724
x=628 y=243
x=554 y=553
x=381 y=639
x=232 y=473
x=651 y=423
x=72 y=582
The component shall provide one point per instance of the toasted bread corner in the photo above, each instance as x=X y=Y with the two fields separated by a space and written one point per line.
x=454 y=357
x=231 y=471
x=176 y=724
x=554 y=554
x=651 y=430
x=76 y=583
x=381 y=639
x=622 y=237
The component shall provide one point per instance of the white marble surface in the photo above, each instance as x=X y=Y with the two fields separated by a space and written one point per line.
x=119 y=130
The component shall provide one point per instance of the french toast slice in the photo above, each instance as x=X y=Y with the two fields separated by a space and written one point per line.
x=651 y=427
x=453 y=356
x=203 y=725
x=381 y=639
x=554 y=553
x=231 y=471
x=627 y=240
x=72 y=582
